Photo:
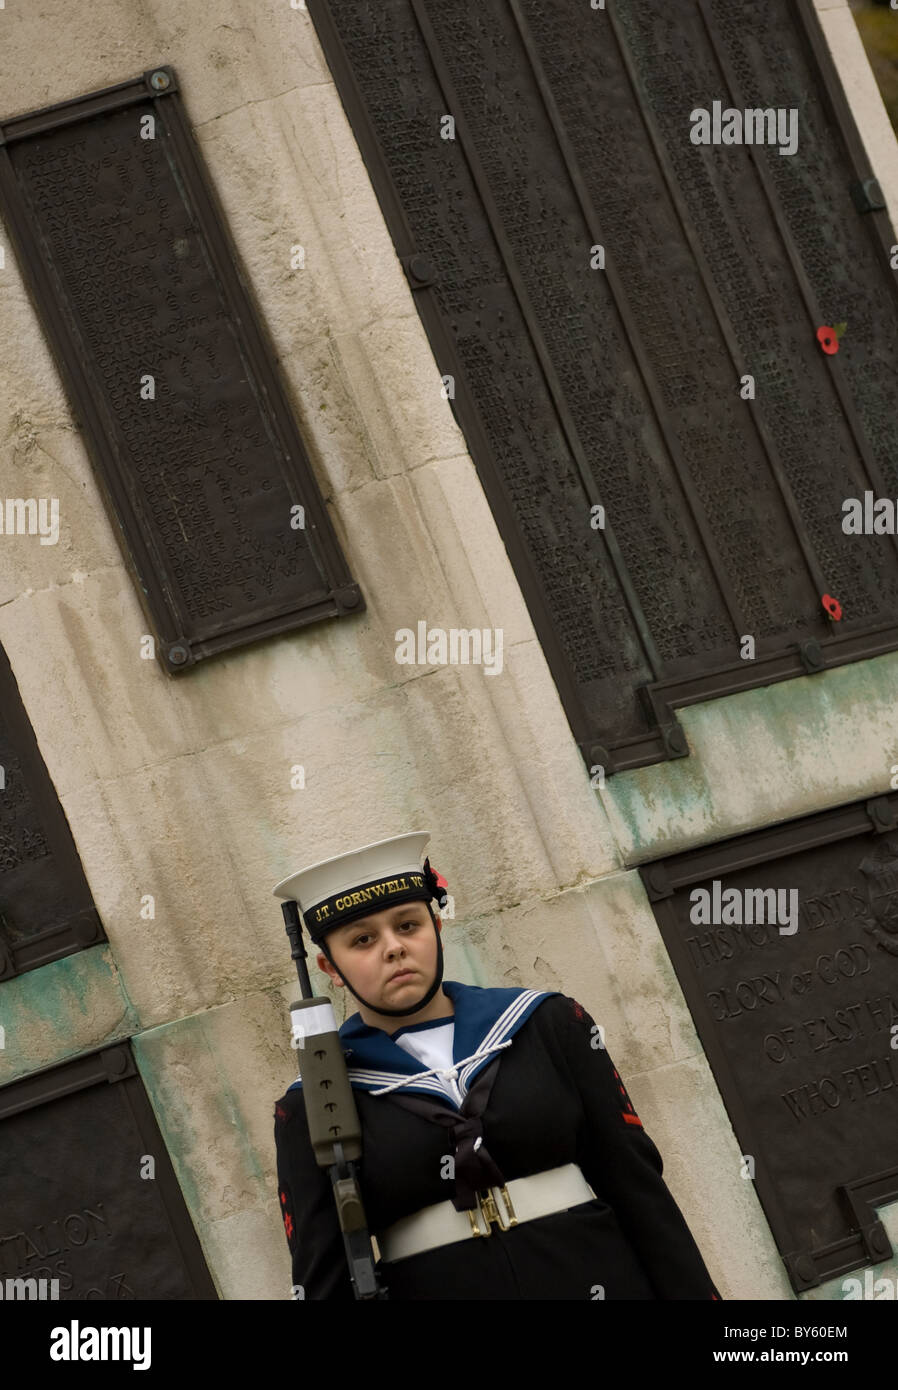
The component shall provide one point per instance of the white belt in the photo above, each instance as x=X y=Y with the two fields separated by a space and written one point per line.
x=523 y=1199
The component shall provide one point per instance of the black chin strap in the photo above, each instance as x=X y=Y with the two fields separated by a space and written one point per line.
x=396 y=1013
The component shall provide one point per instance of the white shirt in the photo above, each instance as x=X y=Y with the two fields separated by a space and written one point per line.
x=433 y=1048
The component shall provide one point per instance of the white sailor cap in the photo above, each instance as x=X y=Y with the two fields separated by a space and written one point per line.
x=364 y=881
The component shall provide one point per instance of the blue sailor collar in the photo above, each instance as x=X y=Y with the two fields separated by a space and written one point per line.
x=484 y=1019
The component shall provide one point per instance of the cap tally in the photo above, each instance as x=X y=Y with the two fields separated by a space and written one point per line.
x=364 y=881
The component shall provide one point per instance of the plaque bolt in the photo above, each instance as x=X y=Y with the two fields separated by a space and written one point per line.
x=599 y=756
x=676 y=739
x=812 y=655
x=421 y=269
x=656 y=880
x=878 y=1240
x=177 y=655
x=160 y=80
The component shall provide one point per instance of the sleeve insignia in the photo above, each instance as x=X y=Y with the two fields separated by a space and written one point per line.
x=627 y=1110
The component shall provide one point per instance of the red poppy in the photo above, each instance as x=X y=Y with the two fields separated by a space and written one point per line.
x=827 y=339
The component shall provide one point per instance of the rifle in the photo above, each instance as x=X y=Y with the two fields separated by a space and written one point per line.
x=333 y=1119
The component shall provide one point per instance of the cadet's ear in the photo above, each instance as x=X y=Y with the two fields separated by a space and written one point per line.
x=325 y=965
x=438 y=921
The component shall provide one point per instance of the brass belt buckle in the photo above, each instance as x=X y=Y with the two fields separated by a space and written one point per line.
x=509 y=1209
x=472 y=1217
x=490 y=1211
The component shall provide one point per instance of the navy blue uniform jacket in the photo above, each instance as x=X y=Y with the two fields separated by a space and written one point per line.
x=556 y=1098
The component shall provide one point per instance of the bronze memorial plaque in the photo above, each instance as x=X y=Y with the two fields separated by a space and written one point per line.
x=785 y=943
x=124 y=247
x=593 y=282
x=46 y=908
x=88 y=1196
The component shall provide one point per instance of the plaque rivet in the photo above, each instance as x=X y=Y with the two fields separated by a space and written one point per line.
x=656 y=879
x=177 y=655
x=350 y=599
x=878 y=1240
x=115 y=1062
x=676 y=739
x=160 y=80
x=86 y=930
x=420 y=269
x=811 y=655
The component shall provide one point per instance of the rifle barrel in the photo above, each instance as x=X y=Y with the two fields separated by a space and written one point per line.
x=297 y=947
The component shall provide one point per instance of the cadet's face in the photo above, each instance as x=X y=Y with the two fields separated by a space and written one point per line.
x=374 y=949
